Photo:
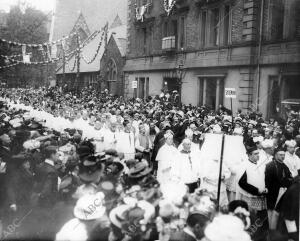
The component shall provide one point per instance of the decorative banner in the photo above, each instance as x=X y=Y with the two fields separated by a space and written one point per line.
x=26 y=59
x=48 y=53
x=140 y=11
x=23 y=50
x=168 y=5
x=53 y=51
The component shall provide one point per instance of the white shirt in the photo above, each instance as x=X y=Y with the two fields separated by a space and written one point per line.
x=50 y=162
x=293 y=163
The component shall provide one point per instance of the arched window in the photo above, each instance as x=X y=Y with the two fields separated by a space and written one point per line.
x=112 y=70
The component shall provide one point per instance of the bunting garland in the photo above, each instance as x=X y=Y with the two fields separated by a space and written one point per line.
x=168 y=5
x=73 y=68
x=48 y=54
x=97 y=51
x=8 y=66
x=37 y=45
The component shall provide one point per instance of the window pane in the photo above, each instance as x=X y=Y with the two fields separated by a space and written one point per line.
x=203 y=28
x=226 y=25
x=182 y=32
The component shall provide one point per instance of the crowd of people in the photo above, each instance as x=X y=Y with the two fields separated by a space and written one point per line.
x=92 y=166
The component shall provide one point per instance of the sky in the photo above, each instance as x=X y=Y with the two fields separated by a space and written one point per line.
x=44 y=5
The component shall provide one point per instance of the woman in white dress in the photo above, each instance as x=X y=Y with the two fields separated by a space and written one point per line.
x=166 y=157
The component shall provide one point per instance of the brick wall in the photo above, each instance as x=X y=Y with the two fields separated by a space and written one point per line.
x=156 y=16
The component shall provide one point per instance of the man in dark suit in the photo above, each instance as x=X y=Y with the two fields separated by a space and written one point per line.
x=277 y=175
x=46 y=186
x=196 y=223
x=45 y=195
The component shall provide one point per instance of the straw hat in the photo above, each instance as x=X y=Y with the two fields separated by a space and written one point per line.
x=90 y=207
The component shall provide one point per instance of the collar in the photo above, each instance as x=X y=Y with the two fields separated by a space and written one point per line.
x=50 y=162
x=189 y=232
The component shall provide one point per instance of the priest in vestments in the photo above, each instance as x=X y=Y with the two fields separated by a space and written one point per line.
x=167 y=157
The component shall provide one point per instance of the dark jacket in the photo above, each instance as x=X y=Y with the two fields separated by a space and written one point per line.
x=277 y=175
x=19 y=186
x=46 y=184
x=181 y=236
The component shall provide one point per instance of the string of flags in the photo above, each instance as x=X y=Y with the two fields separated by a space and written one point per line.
x=8 y=66
x=74 y=65
x=168 y=5
x=97 y=51
x=48 y=54
x=13 y=43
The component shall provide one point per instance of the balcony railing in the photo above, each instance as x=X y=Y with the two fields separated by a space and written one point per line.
x=169 y=43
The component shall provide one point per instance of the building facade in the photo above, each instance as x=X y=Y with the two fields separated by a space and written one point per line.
x=85 y=18
x=205 y=46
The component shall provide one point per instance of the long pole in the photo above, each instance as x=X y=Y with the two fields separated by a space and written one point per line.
x=78 y=64
x=231 y=112
x=220 y=171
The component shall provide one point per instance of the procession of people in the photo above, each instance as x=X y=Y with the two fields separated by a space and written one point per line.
x=92 y=166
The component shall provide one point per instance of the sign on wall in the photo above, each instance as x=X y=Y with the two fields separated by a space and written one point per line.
x=230 y=93
x=134 y=84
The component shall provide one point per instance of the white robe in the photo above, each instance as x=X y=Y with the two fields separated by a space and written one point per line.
x=189 y=167
x=126 y=144
x=167 y=157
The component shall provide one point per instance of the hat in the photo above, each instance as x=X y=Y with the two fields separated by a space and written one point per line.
x=140 y=169
x=217 y=129
x=291 y=143
x=131 y=213
x=31 y=145
x=168 y=134
x=267 y=144
x=226 y=228
x=89 y=161
x=189 y=132
x=167 y=209
x=90 y=207
x=85 y=189
x=251 y=149
x=278 y=150
x=84 y=151
x=111 y=152
x=90 y=173
x=258 y=139
x=238 y=131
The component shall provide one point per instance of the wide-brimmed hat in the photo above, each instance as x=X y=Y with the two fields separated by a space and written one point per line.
x=90 y=173
x=140 y=169
x=139 y=211
x=90 y=207
x=31 y=145
x=226 y=228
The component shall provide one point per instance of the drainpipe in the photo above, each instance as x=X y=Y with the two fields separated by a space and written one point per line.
x=259 y=52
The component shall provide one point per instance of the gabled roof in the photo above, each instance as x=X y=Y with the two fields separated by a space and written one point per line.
x=119 y=35
x=88 y=52
x=81 y=23
x=95 y=12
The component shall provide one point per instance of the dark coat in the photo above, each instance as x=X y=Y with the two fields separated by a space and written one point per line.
x=19 y=186
x=277 y=175
x=181 y=236
x=46 y=184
